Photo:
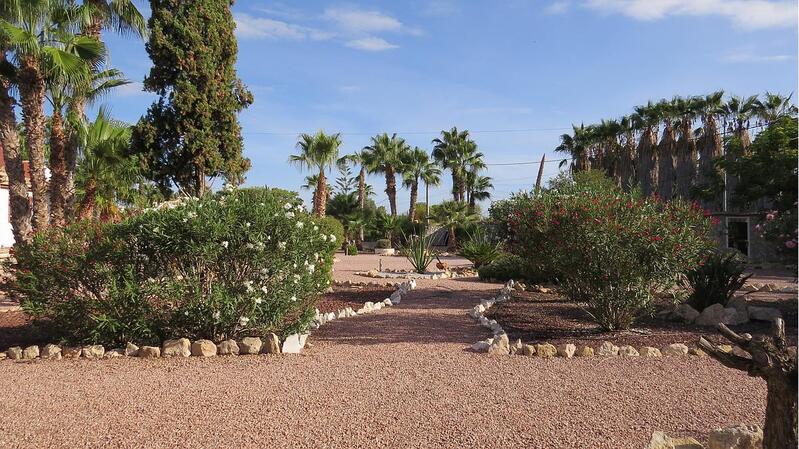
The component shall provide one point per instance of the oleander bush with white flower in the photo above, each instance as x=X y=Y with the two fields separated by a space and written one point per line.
x=239 y=262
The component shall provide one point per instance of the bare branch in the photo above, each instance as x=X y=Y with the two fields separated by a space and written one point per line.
x=740 y=340
x=727 y=359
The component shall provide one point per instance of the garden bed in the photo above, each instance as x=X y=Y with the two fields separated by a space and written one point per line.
x=538 y=317
x=343 y=297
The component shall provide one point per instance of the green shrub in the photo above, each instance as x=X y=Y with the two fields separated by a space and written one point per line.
x=418 y=251
x=610 y=250
x=716 y=279
x=383 y=244
x=332 y=225
x=351 y=250
x=508 y=266
x=240 y=262
x=479 y=248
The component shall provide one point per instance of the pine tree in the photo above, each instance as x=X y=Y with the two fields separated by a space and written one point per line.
x=192 y=132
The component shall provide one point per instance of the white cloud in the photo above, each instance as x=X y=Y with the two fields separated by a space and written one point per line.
x=249 y=27
x=751 y=57
x=748 y=14
x=359 y=21
x=133 y=89
x=558 y=7
x=371 y=44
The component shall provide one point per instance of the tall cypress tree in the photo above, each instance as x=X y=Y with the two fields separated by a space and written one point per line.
x=192 y=133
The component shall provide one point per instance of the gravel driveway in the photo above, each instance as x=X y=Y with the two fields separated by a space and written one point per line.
x=401 y=377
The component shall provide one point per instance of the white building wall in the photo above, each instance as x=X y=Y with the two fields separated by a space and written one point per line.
x=6 y=237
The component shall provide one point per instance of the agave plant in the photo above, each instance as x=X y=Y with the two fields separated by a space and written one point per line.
x=717 y=279
x=480 y=248
x=418 y=251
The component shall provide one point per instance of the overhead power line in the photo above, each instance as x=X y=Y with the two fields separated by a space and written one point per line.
x=481 y=131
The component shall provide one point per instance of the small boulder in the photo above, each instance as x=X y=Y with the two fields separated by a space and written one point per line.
x=628 y=351
x=131 y=350
x=528 y=350
x=566 y=350
x=481 y=346
x=387 y=302
x=660 y=440
x=93 y=352
x=294 y=343
x=51 y=351
x=764 y=313
x=148 y=352
x=737 y=437
x=685 y=313
x=649 y=351
x=178 y=347
x=516 y=347
x=14 y=353
x=71 y=352
x=500 y=345
x=114 y=353
x=738 y=302
x=717 y=313
x=203 y=348
x=585 y=351
x=228 y=347
x=271 y=344
x=31 y=352
x=608 y=349
x=697 y=352
x=674 y=349
x=546 y=350
x=250 y=345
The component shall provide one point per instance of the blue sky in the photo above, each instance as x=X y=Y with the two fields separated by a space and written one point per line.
x=514 y=72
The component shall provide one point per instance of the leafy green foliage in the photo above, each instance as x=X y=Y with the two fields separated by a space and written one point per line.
x=383 y=244
x=507 y=266
x=480 y=248
x=241 y=262
x=716 y=279
x=351 y=250
x=192 y=131
x=610 y=250
x=419 y=253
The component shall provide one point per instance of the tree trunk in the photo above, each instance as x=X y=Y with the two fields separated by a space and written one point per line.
x=772 y=361
x=647 y=162
x=321 y=193
x=86 y=209
x=452 y=244
x=58 y=169
x=455 y=186
x=71 y=158
x=627 y=163
x=666 y=164
x=711 y=149
x=361 y=199
x=391 y=190
x=19 y=206
x=414 y=196
x=31 y=91
x=686 y=161
x=462 y=188
x=472 y=202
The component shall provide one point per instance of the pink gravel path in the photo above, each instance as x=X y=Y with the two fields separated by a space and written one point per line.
x=401 y=377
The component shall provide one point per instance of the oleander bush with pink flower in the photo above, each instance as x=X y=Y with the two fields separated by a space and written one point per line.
x=235 y=263
x=610 y=250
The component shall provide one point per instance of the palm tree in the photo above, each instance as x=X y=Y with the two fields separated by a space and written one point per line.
x=318 y=152
x=666 y=150
x=575 y=145
x=607 y=143
x=774 y=106
x=384 y=156
x=105 y=176
x=711 y=107
x=39 y=32
x=645 y=120
x=738 y=111
x=477 y=189
x=417 y=165
x=450 y=215
x=686 y=110
x=626 y=158
x=456 y=151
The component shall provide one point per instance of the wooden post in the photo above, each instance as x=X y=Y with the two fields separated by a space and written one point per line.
x=540 y=174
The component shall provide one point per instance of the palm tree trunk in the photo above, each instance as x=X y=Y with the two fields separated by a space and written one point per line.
x=19 y=206
x=361 y=198
x=86 y=209
x=686 y=161
x=76 y=109
x=461 y=188
x=321 y=193
x=666 y=164
x=31 y=92
x=58 y=169
x=451 y=243
x=391 y=190
x=626 y=163
x=414 y=196
x=455 y=186
x=712 y=148
x=472 y=202
x=647 y=162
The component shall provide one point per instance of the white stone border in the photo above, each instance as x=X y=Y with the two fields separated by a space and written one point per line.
x=183 y=347
x=499 y=343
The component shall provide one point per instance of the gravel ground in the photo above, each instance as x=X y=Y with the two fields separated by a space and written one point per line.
x=401 y=377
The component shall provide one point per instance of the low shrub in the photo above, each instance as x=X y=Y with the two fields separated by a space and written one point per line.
x=716 y=279
x=508 y=266
x=383 y=244
x=610 y=250
x=479 y=248
x=418 y=251
x=351 y=250
x=240 y=262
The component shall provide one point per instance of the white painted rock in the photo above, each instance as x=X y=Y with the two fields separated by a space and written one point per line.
x=387 y=302
x=294 y=343
x=377 y=306
x=764 y=313
x=31 y=352
x=608 y=349
x=131 y=350
x=203 y=348
x=14 y=353
x=250 y=345
x=178 y=347
x=93 y=352
x=516 y=347
x=149 y=352
x=567 y=350
x=674 y=349
x=51 y=351
x=271 y=344
x=737 y=437
x=628 y=351
x=228 y=347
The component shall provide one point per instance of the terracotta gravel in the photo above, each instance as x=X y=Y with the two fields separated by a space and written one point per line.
x=401 y=377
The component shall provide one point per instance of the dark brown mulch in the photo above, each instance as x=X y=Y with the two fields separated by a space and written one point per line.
x=343 y=297
x=538 y=317
x=17 y=329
